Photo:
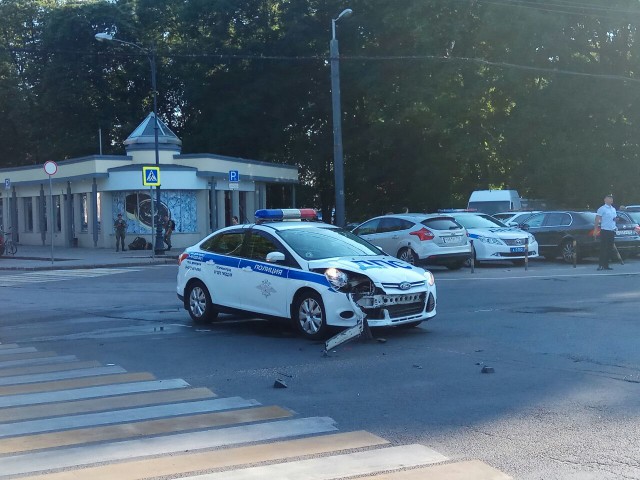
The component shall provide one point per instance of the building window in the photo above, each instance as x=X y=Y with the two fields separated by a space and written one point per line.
x=57 y=219
x=28 y=214
x=84 y=213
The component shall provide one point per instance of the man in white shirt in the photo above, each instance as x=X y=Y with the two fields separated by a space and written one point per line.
x=606 y=228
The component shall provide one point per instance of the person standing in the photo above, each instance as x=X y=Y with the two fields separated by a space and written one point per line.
x=234 y=220
x=169 y=227
x=605 y=228
x=120 y=226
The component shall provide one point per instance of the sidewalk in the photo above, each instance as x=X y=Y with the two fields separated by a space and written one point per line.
x=31 y=257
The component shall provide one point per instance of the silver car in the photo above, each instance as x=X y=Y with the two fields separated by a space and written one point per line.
x=419 y=238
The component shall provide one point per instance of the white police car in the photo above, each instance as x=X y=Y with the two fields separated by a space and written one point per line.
x=493 y=240
x=313 y=273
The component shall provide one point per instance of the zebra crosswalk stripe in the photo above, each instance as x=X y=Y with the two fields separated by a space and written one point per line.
x=90 y=392
x=127 y=415
x=58 y=275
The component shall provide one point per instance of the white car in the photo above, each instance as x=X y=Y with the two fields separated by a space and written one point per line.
x=493 y=240
x=514 y=219
x=419 y=238
x=313 y=273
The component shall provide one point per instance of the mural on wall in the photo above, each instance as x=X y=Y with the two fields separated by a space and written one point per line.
x=136 y=207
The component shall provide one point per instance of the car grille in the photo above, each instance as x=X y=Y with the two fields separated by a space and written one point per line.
x=399 y=310
x=514 y=242
x=397 y=285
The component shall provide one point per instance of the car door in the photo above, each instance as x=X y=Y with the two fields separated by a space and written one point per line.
x=264 y=286
x=220 y=267
x=556 y=227
x=381 y=232
x=393 y=234
x=534 y=226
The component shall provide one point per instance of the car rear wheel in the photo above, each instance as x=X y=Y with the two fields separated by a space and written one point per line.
x=568 y=251
x=199 y=303
x=308 y=315
x=408 y=256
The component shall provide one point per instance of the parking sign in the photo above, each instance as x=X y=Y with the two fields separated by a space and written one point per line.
x=234 y=176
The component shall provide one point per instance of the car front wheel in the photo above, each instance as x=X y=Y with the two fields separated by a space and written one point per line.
x=568 y=251
x=308 y=315
x=199 y=303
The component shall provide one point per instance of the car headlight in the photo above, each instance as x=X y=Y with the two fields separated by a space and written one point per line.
x=490 y=240
x=336 y=278
x=531 y=239
x=431 y=280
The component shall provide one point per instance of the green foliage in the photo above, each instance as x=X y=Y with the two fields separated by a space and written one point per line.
x=439 y=97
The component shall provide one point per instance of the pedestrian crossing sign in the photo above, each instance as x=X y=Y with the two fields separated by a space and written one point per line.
x=151 y=176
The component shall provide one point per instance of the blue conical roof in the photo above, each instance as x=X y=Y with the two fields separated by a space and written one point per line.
x=144 y=134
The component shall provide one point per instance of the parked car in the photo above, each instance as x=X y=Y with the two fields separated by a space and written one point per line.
x=418 y=238
x=627 y=238
x=556 y=231
x=315 y=274
x=513 y=219
x=493 y=240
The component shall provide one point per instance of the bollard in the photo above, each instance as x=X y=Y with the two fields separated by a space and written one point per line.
x=472 y=259
x=575 y=254
x=526 y=254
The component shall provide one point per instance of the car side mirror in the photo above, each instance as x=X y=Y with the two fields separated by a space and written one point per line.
x=524 y=226
x=275 y=257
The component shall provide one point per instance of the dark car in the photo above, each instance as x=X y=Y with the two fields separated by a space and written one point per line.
x=556 y=232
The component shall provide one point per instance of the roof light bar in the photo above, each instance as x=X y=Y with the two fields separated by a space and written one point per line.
x=280 y=214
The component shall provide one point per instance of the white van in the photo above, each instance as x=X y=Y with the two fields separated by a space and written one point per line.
x=494 y=201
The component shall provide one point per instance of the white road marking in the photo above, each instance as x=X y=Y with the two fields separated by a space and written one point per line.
x=38 y=361
x=126 y=415
x=48 y=377
x=59 y=275
x=11 y=351
x=337 y=466
x=118 y=451
x=90 y=392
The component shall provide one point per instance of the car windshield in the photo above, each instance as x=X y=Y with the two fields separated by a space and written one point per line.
x=478 y=221
x=317 y=243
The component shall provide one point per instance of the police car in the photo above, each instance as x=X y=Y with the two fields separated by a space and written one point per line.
x=493 y=240
x=315 y=274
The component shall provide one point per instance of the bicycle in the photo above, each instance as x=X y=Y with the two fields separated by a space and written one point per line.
x=8 y=246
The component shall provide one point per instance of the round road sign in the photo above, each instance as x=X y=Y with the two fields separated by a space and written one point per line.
x=50 y=167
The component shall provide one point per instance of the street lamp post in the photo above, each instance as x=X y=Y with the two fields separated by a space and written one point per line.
x=338 y=159
x=151 y=55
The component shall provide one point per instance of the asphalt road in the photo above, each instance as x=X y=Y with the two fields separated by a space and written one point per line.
x=562 y=402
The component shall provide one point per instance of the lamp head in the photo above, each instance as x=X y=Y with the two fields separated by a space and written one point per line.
x=103 y=37
x=346 y=13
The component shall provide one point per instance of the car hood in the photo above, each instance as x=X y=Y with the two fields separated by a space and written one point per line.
x=499 y=232
x=378 y=268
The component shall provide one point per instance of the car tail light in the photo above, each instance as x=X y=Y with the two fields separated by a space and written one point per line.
x=423 y=234
x=183 y=256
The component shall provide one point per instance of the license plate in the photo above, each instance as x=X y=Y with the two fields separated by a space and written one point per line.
x=451 y=239
x=625 y=232
x=517 y=249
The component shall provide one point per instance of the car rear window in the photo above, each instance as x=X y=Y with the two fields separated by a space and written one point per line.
x=441 y=224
